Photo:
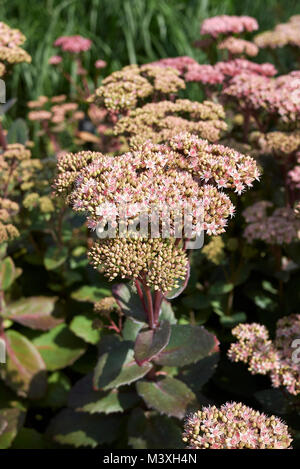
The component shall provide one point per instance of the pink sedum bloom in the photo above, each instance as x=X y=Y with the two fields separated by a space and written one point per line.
x=225 y=24
x=234 y=426
x=265 y=356
x=55 y=60
x=100 y=63
x=73 y=44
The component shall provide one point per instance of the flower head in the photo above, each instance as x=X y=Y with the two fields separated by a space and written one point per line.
x=234 y=426
x=238 y=46
x=281 y=226
x=55 y=60
x=73 y=44
x=185 y=172
x=129 y=87
x=10 y=45
x=159 y=261
x=265 y=356
x=158 y=122
x=226 y=24
x=100 y=63
x=282 y=35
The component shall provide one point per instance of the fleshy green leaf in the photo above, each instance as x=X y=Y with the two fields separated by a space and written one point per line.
x=55 y=257
x=25 y=370
x=82 y=429
x=7 y=273
x=131 y=328
x=90 y=294
x=84 y=398
x=12 y=420
x=118 y=367
x=168 y=396
x=187 y=344
x=129 y=302
x=166 y=312
x=150 y=343
x=82 y=326
x=35 y=312
x=59 y=347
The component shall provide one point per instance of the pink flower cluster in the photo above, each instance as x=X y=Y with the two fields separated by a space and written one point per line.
x=10 y=37
x=226 y=24
x=265 y=356
x=186 y=172
x=100 y=63
x=231 y=68
x=160 y=121
x=234 y=426
x=279 y=95
x=222 y=71
x=182 y=63
x=206 y=74
x=280 y=227
x=236 y=46
x=54 y=110
x=55 y=60
x=10 y=50
x=73 y=44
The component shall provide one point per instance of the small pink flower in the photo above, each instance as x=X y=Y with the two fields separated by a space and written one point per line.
x=100 y=63
x=55 y=60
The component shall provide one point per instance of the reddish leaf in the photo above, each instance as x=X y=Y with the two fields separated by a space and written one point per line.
x=25 y=370
x=150 y=343
x=187 y=344
x=35 y=312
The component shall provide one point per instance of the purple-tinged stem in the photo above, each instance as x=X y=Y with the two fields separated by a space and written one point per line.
x=158 y=298
x=150 y=306
x=140 y=293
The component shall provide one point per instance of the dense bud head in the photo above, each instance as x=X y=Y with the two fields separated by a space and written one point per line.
x=8 y=209
x=158 y=122
x=158 y=261
x=10 y=50
x=278 y=143
x=234 y=426
x=128 y=88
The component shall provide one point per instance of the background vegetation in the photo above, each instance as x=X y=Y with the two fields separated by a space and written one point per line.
x=122 y=31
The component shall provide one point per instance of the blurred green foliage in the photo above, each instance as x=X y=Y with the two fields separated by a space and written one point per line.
x=122 y=31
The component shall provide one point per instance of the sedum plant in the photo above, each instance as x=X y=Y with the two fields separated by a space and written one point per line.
x=150 y=354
